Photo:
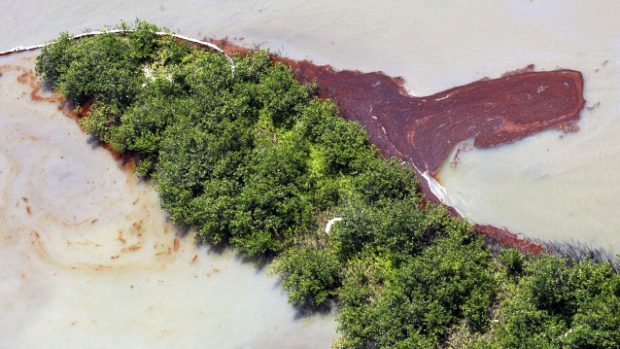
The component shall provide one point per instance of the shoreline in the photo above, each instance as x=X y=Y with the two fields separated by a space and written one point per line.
x=87 y=239
x=380 y=103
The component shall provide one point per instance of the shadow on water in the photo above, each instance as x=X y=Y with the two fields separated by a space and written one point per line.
x=261 y=265
x=575 y=251
x=93 y=142
x=579 y=251
x=307 y=310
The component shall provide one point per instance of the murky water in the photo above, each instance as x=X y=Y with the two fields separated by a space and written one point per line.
x=87 y=259
x=556 y=186
x=550 y=186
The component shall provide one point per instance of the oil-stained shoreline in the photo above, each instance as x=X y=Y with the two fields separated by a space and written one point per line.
x=87 y=249
x=425 y=130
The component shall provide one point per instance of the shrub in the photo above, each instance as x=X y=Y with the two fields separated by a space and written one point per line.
x=311 y=275
x=513 y=261
x=251 y=158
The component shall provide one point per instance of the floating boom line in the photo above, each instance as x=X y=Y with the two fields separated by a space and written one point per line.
x=212 y=46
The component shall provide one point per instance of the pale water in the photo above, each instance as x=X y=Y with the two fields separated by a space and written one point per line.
x=87 y=259
x=550 y=186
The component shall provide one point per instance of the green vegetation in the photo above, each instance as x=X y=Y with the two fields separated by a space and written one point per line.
x=250 y=158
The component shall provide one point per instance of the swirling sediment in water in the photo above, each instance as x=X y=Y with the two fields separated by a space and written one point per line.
x=424 y=130
x=86 y=249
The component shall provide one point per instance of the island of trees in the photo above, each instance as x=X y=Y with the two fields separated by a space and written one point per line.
x=250 y=158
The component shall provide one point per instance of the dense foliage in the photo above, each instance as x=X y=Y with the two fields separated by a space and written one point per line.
x=250 y=158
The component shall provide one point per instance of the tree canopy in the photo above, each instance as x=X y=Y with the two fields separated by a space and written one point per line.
x=250 y=158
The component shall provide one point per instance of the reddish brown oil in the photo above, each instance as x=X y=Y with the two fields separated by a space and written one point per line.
x=425 y=130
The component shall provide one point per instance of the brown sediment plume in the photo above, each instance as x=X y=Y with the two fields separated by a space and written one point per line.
x=229 y=48
x=75 y=113
x=28 y=77
x=505 y=238
x=424 y=130
x=125 y=161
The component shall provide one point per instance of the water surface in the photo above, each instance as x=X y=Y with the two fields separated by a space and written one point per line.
x=88 y=260
x=550 y=186
x=69 y=279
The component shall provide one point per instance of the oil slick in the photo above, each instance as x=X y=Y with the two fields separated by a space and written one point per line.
x=88 y=259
